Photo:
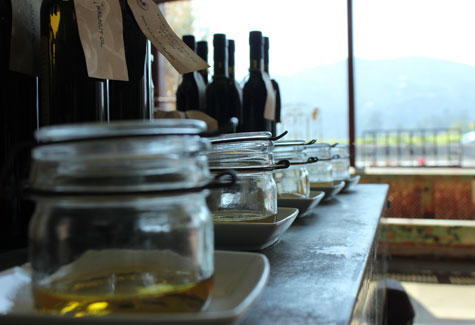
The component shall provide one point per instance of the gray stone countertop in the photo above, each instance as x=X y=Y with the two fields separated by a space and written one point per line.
x=318 y=266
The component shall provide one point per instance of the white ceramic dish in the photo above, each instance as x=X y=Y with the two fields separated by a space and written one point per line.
x=239 y=279
x=253 y=235
x=351 y=182
x=303 y=204
x=331 y=190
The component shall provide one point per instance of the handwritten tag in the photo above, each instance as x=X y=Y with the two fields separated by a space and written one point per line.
x=25 y=36
x=155 y=27
x=269 y=110
x=101 y=33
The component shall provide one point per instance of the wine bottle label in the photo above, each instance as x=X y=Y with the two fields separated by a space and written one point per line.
x=155 y=27
x=269 y=110
x=101 y=33
x=25 y=40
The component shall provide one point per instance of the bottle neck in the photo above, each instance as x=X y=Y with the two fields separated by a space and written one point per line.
x=231 y=65
x=220 y=61
x=266 y=62
x=256 y=64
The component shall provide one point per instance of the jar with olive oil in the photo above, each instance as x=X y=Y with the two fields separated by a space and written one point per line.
x=121 y=222
x=321 y=172
x=294 y=181
x=340 y=154
x=253 y=197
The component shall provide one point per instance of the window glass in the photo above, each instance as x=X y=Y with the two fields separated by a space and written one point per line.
x=414 y=80
x=308 y=52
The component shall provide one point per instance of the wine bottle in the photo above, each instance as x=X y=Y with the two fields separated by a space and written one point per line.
x=255 y=90
x=231 y=75
x=275 y=86
x=191 y=92
x=18 y=121
x=132 y=99
x=67 y=93
x=202 y=51
x=222 y=100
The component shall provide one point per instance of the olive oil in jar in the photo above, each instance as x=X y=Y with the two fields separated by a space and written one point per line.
x=242 y=216
x=321 y=184
x=122 y=293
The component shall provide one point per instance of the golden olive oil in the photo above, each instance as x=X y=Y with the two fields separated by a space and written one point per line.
x=244 y=217
x=241 y=216
x=122 y=293
x=321 y=184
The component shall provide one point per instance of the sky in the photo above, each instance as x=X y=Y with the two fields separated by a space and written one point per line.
x=309 y=33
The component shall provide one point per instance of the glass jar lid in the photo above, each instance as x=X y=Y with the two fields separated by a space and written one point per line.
x=75 y=132
x=340 y=151
x=244 y=151
x=242 y=142
x=292 y=150
x=322 y=151
x=120 y=157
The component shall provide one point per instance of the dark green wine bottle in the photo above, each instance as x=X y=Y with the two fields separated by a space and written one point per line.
x=18 y=121
x=202 y=51
x=67 y=93
x=255 y=92
x=191 y=92
x=275 y=85
x=132 y=99
x=231 y=75
x=222 y=99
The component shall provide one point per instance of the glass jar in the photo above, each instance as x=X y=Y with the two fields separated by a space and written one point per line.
x=321 y=172
x=294 y=181
x=121 y=221
x=340 y=162
x=254 y=194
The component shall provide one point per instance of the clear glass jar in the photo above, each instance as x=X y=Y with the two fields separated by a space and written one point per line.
x=121 y=224
x=340 y=162
x=254 y=194
x=321 y=172
x=293 y=181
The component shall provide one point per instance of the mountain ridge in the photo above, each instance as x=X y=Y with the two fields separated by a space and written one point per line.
x=412 y=92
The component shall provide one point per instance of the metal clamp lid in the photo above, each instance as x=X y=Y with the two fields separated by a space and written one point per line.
x=281 y=164
x=310 y=160
x=225 y=178
x=294 y=143
x=248 y=138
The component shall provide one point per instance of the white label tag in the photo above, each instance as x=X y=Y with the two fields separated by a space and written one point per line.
x=155 y=27
x=25 y=41
x=269 y=111
x=101 y=34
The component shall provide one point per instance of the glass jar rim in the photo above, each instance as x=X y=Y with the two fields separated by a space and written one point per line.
x=95 y=130
x=241 y=136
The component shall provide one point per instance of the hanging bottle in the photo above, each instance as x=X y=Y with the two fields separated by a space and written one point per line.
x=191 y=92
x=222 y=100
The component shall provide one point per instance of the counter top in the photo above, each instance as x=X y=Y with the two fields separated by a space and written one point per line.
x=318 y=267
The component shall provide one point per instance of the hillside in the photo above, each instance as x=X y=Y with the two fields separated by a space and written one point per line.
x=411 y=92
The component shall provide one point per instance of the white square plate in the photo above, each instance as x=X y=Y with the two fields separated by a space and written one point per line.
x=303 y=204
x=351 y=182
x=239 y=279
x=253 y=235
x=331 y=190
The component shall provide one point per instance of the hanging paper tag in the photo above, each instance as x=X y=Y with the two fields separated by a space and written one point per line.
x=156 y=29
x=269 y=110
x=101 y=33
x=25 y=40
